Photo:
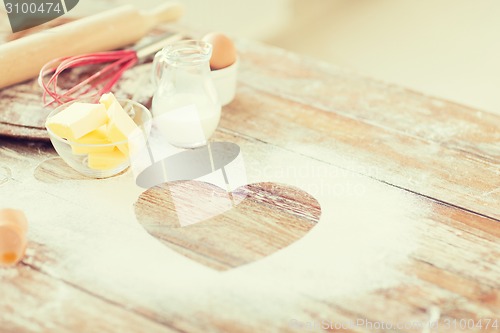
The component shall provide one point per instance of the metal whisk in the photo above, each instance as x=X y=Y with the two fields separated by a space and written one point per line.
x=115 y=63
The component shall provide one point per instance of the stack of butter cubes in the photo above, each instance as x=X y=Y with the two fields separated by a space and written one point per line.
x=100 y=131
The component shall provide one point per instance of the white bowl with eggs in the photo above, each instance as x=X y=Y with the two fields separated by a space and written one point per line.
x=224 y=66
x=225 y=82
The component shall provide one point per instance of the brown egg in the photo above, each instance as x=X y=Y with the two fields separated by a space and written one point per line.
x=13 y=229
x=223 y=51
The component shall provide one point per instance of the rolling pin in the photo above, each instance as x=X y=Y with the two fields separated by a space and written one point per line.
x=23 y=58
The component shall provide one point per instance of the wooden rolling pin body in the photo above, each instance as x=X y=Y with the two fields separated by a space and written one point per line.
x=22 y=59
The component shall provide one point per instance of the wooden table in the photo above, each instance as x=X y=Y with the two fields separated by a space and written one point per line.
x=408 y=233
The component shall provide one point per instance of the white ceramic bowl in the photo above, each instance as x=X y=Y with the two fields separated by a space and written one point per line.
x=225 y=82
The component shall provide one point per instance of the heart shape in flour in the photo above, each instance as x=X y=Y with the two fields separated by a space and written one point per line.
x=264 y=218
x=26 y=14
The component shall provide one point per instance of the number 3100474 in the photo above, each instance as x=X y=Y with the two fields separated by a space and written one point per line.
x=481 y=324
x=33 y=8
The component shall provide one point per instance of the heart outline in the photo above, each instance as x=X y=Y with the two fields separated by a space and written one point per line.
x=280 y=216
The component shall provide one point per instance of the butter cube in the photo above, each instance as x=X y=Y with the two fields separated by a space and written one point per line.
x=108 y=99
x=77 y=120
x=120 y=125
x=106 y=161
x=84 y=145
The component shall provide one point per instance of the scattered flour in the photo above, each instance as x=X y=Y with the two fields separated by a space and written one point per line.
x=8 y=273
x=5 y=174
x=365 y=235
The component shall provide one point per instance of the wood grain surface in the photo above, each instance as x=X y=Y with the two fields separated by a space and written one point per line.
x=409 y=230
x=284 y=214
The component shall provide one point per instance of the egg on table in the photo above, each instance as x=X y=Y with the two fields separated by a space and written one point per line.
x=223 y=50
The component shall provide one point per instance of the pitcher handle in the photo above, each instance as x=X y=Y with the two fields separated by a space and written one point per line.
x=157 y=68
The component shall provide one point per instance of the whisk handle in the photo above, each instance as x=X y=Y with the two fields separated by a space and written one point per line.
x=156 y=45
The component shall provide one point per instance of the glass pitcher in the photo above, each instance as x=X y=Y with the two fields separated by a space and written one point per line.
x=185 y=105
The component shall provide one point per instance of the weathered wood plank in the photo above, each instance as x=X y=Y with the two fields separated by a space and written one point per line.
x=423 y=301
x=483 y=294
x=332 y=89
x=412 y=163
x=34 y=302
